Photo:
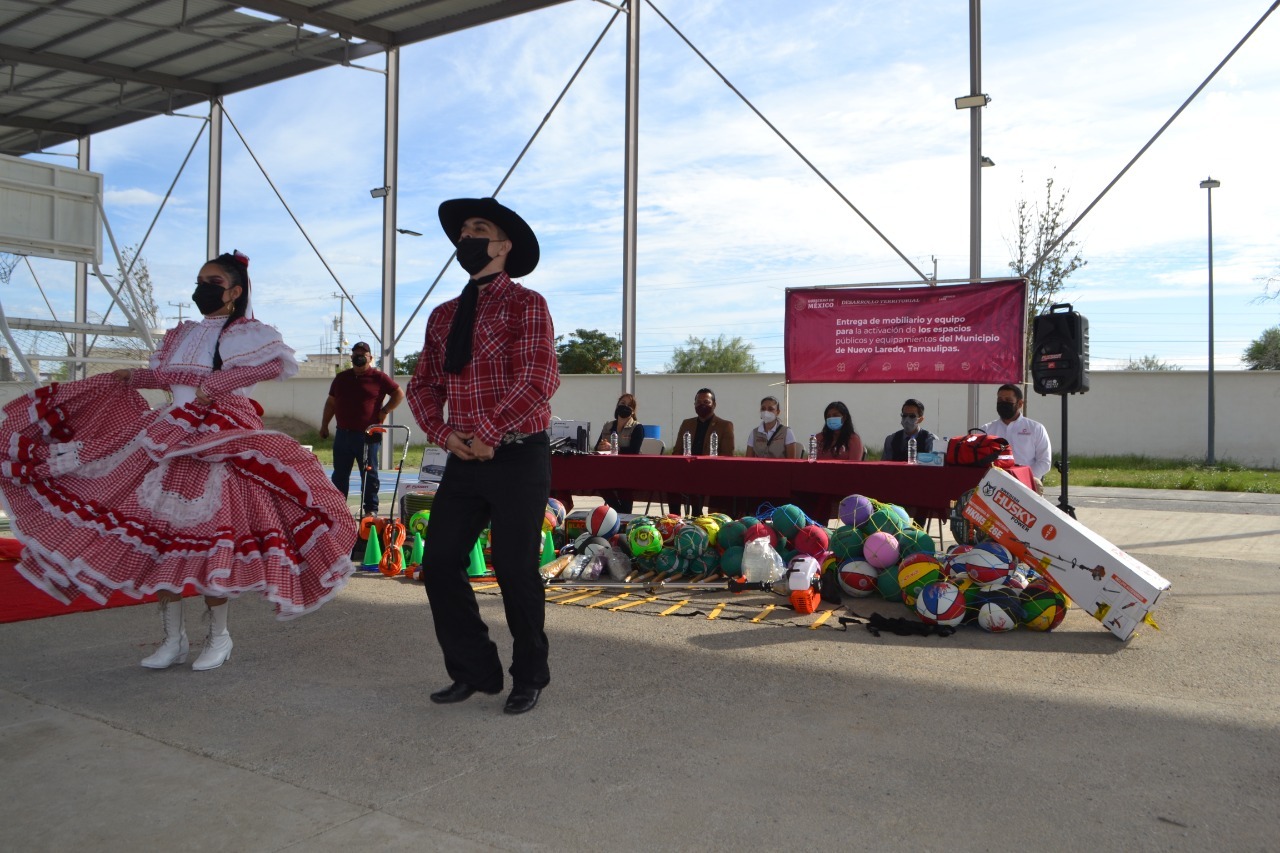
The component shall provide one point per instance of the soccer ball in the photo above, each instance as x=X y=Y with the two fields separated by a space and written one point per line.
x=941 y=603
x=731 y=535
x=644 y=540
x=913 y=540
x=603 y=521
x=690 y=541
x=858 y=578
x=731 y=561
x=710 y=526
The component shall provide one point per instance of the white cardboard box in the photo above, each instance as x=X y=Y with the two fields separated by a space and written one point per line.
x=1116 y=589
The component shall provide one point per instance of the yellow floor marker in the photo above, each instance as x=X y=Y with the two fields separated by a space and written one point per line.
x=568 y=594
x=608 y=601
x=768 y=608
x=673 y=608
x=582 y=597
x=633 y=604
x=715 y=613
x=822 y=617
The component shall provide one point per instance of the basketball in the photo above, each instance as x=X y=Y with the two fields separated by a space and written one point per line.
x=915 y=573
x=846 y=542
x=880 y=550
x=980 y=563
x=591 y=545
x=731 y=561
x=603 y=521
x=913 y=540
x=855 y=510
x=812 y=540
x=858 y=578
x=941 y=603
x=1043 y=606
x=788 y=520
x=998 y=610
x=690 y=541
x=882 y=520
x=554 y=516
x=644 y=540
x=709 y=526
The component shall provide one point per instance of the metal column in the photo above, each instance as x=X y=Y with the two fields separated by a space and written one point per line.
x=629 y=194
x=214 y=216
x=79 y=369
x=975 y=177
x=390 y=179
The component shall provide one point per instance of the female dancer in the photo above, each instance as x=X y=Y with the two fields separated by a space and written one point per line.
x=107 y=494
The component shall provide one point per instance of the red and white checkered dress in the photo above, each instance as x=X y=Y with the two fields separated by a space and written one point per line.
x=108 y=494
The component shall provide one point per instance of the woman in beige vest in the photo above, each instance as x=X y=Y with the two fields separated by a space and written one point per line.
x=771 y=439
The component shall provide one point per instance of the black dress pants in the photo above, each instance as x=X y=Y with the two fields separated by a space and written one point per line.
x=508 y=493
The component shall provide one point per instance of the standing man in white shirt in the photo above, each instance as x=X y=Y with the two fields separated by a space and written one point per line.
x=1027 y=438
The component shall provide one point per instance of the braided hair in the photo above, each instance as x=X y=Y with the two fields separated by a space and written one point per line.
x=236 y=266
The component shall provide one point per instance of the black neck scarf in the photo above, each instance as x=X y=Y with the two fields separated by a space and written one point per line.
x=457 y=348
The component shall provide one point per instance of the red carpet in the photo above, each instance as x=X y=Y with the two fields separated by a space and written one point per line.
x=20 y=600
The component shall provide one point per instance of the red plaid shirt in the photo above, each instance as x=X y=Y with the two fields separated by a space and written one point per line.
x=507 y=387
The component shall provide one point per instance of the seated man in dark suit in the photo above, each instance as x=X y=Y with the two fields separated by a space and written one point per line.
x=895 y=446
x=700 y=430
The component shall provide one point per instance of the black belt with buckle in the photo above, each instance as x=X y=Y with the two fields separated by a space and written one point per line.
x=514 y=438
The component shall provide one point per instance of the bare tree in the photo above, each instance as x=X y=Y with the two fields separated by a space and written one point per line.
x=1038 y=227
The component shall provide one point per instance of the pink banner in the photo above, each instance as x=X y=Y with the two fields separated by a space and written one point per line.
x=971 y=333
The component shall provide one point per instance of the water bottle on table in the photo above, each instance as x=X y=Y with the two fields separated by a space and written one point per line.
x=715 y=444
x=813 y=448
x=688 y=444
x=911 y=451
x=613 y=444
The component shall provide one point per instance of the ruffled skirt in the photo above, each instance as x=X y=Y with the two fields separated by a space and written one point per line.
x=107 y=494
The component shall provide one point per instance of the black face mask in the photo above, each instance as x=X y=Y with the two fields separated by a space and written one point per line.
x=1005 y=409
x=208 y=297
x=473 y=254
x=359 y=360
x=622 y=412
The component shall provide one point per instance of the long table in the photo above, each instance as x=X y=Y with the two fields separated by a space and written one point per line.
x=736 y=482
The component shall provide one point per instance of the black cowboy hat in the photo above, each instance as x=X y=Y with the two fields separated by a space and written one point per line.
x=523 y=257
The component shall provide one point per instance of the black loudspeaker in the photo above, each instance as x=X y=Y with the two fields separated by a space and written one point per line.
x=1060 y=352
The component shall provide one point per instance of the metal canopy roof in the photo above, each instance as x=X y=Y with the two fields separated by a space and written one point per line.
x=69 y=68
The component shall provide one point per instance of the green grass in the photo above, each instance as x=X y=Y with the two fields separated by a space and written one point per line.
x=1144 y=472
x=323 y=449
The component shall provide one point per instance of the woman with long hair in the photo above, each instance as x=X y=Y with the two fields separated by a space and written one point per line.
x=107 y=494
x=838 y=439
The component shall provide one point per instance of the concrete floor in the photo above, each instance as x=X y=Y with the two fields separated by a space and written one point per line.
x=675 y=733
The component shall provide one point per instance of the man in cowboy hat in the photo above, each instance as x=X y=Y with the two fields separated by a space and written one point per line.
x=490 y=355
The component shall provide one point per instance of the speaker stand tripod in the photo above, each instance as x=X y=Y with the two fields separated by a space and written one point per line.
x=1064 y=464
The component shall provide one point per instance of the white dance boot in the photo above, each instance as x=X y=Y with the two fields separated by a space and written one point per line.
x=217 y=646
x=175 y=646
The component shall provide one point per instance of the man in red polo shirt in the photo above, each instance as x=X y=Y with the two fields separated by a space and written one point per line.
x=490 y=356
x=356 y=397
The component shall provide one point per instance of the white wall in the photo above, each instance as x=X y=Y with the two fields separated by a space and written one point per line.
x=1161 y=414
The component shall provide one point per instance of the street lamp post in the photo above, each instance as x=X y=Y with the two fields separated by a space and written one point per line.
x=1210 y=185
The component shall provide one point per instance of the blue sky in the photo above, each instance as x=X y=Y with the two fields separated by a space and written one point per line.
x=729 y=217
